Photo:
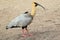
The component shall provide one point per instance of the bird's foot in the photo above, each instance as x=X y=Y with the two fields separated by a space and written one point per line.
x=24 y=35
x=30 y=34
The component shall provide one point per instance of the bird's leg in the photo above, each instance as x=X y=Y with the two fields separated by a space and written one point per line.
x=27 y=32
x=24 y=31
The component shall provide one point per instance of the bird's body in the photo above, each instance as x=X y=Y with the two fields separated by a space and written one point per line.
x=22 y=20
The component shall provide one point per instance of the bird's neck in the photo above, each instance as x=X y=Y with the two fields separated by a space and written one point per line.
x=33 y=9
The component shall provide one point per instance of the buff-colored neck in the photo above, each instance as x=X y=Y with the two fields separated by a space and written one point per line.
x=33 y=9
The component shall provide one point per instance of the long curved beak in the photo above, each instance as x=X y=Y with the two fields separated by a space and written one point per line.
x=36 y=4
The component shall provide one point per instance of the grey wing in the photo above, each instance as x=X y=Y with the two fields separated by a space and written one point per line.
x=22 y=20
x=13 y=22
x=25 y=21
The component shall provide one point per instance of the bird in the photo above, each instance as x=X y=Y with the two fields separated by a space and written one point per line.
x=24 y=20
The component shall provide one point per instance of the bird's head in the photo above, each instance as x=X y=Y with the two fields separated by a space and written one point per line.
x=36 y=4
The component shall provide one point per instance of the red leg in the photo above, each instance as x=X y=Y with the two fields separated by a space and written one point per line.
x=24 y=32
x=28 y=32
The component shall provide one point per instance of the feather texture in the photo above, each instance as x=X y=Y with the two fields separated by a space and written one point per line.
x=22 y=20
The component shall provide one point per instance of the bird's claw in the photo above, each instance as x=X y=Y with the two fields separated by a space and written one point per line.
x=24 y=35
